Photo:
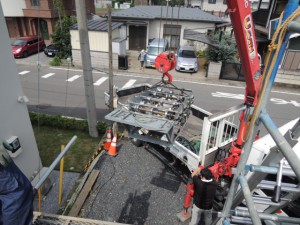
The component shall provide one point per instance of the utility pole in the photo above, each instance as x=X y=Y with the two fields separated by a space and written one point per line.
x=58 y=11
x=87 y=67
x=110 y=58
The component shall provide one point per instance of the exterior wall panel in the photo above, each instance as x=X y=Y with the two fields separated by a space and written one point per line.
x=98 y=41
x=219 y=6
x=13 y=8
x=154 y=30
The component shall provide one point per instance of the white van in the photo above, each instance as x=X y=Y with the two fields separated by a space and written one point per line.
x=155 y=47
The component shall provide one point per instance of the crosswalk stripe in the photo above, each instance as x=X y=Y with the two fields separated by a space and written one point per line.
x=129 y=83
x=71 y=79
x=24 y=72
x=100 y=81
x=48 y=75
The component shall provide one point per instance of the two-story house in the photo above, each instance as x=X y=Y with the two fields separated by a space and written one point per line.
x=219 y=7
x=28 y=17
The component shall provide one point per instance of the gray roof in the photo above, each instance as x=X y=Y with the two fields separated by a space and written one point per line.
x=98 y=25
x=160 y=12
x=196 y=36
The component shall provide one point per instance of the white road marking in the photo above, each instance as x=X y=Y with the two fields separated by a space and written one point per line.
x=100 y=81
x=24 y=72
x=227 y=95
x=129 y=83
x=182 y=81
x=71 y=79
x=48 y=75
x=276 y=101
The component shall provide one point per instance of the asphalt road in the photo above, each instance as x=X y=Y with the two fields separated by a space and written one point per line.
x=61 y=91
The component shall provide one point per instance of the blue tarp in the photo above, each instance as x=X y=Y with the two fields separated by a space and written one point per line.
x=16 y=196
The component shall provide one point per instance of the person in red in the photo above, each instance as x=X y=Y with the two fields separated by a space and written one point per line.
x=204 y=192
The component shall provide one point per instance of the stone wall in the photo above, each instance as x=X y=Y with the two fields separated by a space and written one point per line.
x=288 y=77
x=99 y=59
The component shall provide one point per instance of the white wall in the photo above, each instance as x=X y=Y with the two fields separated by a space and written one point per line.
x=98 y=40
x=14 y=118
x=202 y=27
x=219 y=6
x=13 y=8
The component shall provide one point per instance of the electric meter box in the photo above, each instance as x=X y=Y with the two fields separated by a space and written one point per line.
x=16 y=146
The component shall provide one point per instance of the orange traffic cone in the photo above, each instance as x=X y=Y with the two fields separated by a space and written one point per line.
x=113 y=147
x=108 y=141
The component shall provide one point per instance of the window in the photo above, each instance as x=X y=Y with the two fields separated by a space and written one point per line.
x=212 y=1
x=172 y=34
x=35 y=2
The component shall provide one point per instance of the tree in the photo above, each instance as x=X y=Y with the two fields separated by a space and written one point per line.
x=61 y=36
x=59 y=6
x=224 y=50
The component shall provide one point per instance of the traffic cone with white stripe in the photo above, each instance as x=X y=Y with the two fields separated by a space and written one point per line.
x=113 y=147
x=108 y=141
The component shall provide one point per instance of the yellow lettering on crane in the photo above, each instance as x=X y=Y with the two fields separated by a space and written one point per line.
x=249 y=36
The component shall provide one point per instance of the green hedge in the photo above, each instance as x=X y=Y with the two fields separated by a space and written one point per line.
x=64 y=123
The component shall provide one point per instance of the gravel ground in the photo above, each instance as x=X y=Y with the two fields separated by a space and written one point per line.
x=50 y=201
x=134 y=188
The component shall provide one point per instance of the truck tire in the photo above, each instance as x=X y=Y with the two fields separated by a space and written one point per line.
x=136 y=142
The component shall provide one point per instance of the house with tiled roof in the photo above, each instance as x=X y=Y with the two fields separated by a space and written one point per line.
x=144 y=23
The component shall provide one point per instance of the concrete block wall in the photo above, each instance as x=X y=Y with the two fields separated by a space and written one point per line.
x=214 y=69
x=99 y=59
x=288 y=77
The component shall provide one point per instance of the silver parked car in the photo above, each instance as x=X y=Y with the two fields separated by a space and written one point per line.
x=155 y=47
x=186 y=59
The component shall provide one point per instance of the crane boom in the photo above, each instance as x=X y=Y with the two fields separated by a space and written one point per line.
x=242 y=24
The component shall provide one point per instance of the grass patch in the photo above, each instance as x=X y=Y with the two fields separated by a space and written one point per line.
x=49 y=141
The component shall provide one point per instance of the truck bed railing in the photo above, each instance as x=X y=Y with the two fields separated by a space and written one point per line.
x=218 y=130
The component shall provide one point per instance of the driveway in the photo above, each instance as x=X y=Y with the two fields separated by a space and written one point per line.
x=34 y=58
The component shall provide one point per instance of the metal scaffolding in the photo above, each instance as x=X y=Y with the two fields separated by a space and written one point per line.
x=284 y=149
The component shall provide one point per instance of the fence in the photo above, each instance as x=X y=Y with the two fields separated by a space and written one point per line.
x=232 y=71
x=218 y=130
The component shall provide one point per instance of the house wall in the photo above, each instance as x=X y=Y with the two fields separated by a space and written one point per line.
x=13 y=8
x=218 y=6
x=288 y=77
x=99 y=59
x=98 y=40
x=99 y=48
x=154 y=30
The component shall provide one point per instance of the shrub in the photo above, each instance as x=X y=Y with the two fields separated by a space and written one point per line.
x=200 y=53
x=56 y=61
x=224 y=49
x=64 y=123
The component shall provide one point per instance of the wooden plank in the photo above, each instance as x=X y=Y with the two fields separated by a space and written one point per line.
x=43 y=218
x=84 y=193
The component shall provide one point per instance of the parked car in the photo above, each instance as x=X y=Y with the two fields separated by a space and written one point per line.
x=24 y=46
x=186 y=59
x=51 y=50
x=155 y=47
